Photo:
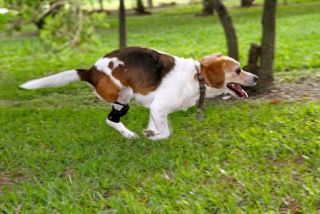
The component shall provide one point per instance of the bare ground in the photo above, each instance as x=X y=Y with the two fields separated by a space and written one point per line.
x=305 y=88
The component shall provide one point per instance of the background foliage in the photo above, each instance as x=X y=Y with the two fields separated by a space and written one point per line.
x=69 y=25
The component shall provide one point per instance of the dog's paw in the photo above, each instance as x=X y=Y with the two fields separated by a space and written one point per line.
x=158 y=137
x=154 y=135
x=150 y=132
x=130 y=135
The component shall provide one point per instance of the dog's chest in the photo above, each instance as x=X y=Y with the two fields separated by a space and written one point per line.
x=188 y=101
x=187 y=97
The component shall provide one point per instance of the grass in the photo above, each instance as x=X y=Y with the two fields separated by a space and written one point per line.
x=66 y=159
x=57 y=154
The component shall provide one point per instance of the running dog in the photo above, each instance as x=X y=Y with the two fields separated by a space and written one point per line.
x=159 y=81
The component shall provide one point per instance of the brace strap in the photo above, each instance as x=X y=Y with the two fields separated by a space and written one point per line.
x=116 y=112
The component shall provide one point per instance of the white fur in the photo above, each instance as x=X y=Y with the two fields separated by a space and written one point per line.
x=122 y=129
x=125 y=95
x=145 y=100
x=59 y=79
x=103 y=65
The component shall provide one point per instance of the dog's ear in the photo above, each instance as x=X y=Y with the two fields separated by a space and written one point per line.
x=212 y=67
x=207 y=60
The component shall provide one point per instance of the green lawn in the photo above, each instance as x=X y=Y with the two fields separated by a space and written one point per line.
x=57 y=155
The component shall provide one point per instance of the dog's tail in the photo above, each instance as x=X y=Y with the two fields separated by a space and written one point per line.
x=59 y=79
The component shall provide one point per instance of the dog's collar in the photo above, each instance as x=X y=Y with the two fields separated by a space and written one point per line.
x=202 y=90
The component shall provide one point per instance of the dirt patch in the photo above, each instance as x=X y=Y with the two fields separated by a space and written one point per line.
x=302 y=89
x=5 y=179
x=9 y=180
x=290 y=205
x=69 y=172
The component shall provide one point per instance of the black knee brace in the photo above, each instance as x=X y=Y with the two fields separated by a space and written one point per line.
x=115 y=114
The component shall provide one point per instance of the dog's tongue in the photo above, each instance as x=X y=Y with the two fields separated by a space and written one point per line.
x=239 y=90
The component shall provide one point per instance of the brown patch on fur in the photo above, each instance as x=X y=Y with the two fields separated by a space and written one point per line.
x=230 y=65
x=103 y=84
x=107 y=89
x=213 y=71
x=136 y=84
x=207 y=60
x=143 y=68
x=120 y=74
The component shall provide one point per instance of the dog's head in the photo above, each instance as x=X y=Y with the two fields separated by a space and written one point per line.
x=224 y=73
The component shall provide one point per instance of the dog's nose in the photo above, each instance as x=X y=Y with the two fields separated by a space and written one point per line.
x=255 y=78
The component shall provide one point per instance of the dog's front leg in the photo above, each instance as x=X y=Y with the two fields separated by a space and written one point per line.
x=151 y=129
x=120 y=109
x=113 y=120
x=158 y=127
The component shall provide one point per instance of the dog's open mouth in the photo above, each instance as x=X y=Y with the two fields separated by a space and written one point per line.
x=236 y=88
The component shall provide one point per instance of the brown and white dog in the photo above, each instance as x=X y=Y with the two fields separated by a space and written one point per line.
x=161 y=82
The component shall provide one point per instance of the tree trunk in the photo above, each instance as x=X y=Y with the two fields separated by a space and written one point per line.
x=101 y=5
x=122 y=25
x=231 y=36
x=246 y=3
x=140 y=9
x=207 y=8
x=268 y=44
x=150 y=3
x=253 y=59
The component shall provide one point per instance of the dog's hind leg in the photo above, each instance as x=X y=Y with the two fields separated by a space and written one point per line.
x=119 y=109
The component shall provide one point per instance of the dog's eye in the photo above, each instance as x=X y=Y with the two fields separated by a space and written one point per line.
x=238 y=70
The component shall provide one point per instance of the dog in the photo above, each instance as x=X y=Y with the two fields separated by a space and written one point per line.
x=161 y=82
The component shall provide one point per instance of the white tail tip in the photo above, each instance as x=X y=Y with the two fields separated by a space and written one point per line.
x=59 y=79
x=30 y=85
